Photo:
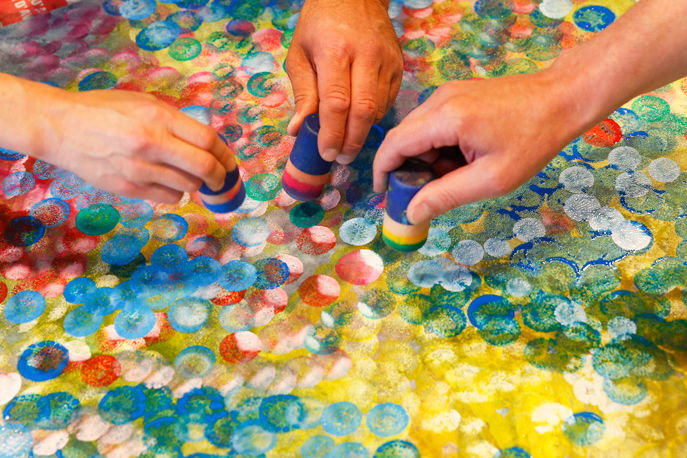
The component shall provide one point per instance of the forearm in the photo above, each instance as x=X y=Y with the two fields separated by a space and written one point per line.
x=25 y=119
x=643 y=50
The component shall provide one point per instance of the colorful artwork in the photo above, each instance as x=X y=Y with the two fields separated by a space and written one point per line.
x=549 y=322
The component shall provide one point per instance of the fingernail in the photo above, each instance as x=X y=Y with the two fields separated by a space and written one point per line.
x=330 y=154
x=344 y=159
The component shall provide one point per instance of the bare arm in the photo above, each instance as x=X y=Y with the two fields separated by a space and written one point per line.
x=124 y=142
x=509 y=128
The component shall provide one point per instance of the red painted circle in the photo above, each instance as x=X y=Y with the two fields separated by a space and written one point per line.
x=606 y=133
x=225 y=297
x=240 y=347
x=101 y=370
x=319 y=290
x=360 y=267
x=316 y=240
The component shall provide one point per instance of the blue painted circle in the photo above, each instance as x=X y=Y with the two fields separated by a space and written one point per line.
x=15 y=440
x=489 y=306
x=593 y=18
x=250 y=438
x=189 y=314
x=584 y=428
x=202 y=271
x=18 y=183
x=158 y=35
x=24 y=231
x=122 y=405
x=43 y=361
x=78 y=289
x=103 y=301
x=169 y=256
x=124 y=246
x=24 y=307
x=238 y=275
x=9 y=155
x=81 y=322
x=24 y=409
x=59 y=410
x=282 y=413
x=195 y=361
x=317 y=446
x=169 y=227
x=137 y=9
x=349 y=450
x=250 y=232
x=134 y=212
x=271 y=273
x=203 y=405
x=397 y=449
x=341 y=418
x=387 y=419
x=135 y=321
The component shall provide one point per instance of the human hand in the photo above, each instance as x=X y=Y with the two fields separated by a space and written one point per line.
x=346 y=63
x=507 y=128
x=131 y=144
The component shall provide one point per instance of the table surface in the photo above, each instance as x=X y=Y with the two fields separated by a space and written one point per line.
x=548 y=322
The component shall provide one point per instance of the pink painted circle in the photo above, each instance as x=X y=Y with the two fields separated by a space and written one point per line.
x=360 y=267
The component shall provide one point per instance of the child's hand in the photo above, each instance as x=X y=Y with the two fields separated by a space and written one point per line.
x=130 y=143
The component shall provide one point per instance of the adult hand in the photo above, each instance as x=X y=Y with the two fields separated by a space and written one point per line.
x=131 y=144
x=346 y=63
x=507 y=128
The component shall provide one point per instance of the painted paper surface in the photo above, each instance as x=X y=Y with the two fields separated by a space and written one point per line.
x=549 y=322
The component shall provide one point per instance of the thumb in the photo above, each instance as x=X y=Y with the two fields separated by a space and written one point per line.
x=481 y=179
x=304 y=84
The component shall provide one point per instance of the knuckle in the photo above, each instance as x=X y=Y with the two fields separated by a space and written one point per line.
x=391 y=135
x=336 y=51
x=206 y=137
x=206 y=166
x=152 y=109
x=301 y=98
x=365 y=108
x=141 y=142
x=193 y=185
x=290 y=66
x=337 y=99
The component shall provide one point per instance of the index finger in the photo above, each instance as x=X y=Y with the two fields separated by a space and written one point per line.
x=201 y=136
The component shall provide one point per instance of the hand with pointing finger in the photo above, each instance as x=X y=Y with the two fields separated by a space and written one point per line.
x=345 y=63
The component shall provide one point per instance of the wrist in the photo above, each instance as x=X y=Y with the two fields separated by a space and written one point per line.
x=28 y=126
x=584 y=89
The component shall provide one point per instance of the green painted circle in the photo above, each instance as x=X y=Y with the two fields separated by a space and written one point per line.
x=185 y=48
x=263 y=187
x=97 y=219
x=306 y=214
x=650 y=108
